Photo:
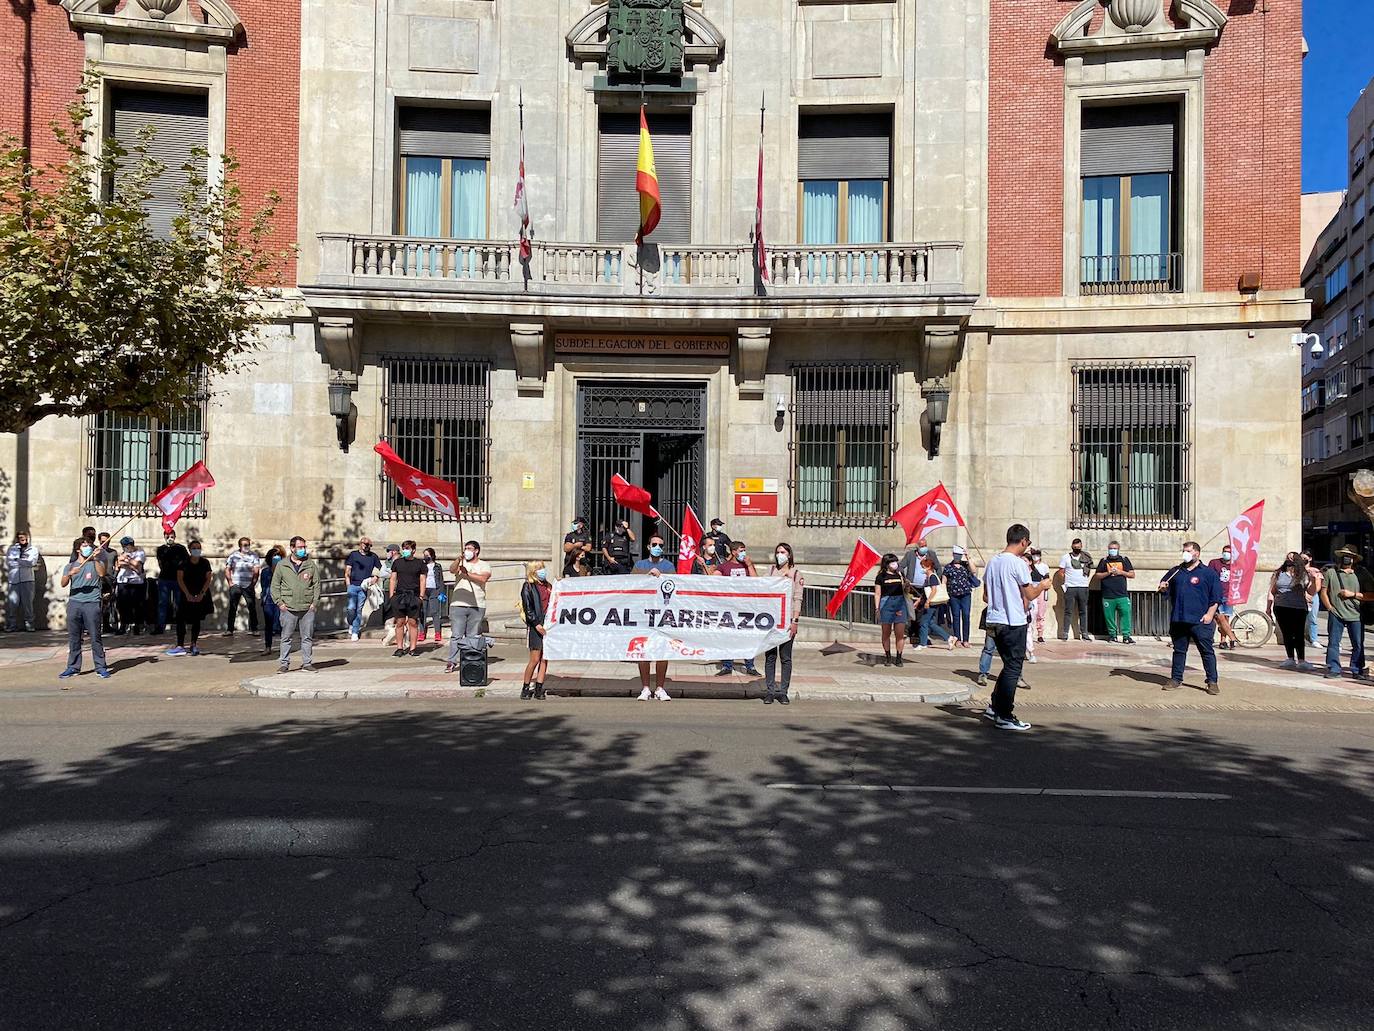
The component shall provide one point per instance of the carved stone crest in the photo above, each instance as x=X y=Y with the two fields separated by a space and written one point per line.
x=644 y=37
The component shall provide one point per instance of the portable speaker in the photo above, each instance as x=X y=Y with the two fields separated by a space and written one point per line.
x=472 y=667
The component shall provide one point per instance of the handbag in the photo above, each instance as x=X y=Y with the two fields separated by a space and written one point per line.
x=937 y=594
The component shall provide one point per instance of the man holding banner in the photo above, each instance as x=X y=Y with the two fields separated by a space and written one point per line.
x=655 y=565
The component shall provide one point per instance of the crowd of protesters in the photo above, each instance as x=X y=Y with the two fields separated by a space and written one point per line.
x=917 y=600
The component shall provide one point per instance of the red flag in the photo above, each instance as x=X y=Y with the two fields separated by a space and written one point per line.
x=636 y=499
x=421 y=488
x=1244 y=535
x=173 y=499
x=689 y=542
x=933 y=510
x=865 y=558
x=522 y=201
x=760 y=252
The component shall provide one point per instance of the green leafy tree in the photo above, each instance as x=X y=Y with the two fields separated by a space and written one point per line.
x=100 y=313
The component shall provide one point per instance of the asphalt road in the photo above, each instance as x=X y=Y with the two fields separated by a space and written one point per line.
x=231 y=863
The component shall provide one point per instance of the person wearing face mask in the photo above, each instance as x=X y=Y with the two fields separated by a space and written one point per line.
x=20 y=561
x=1313 y=610
x=296 y=589
x=109 y=614
x=1039 y=571
x=655 y=565
x=1342 y=594
x=710 y=557
x=83 y=576
x=616 y=548
x=1290 y=593
x=170 y=556
x=1195 y=595
x=718 y=538
x=737 y=563
x=577 y=545
x=1222 y=567
x=1077 y=569
x=467 y=602
x=889 y=600
x=436 y=597
x=911 y=562
x=961 y=578
x=407 y=597
x=534 y=607
x=363 y=566
x=393 y=552
x=130 y=586
x=241 y=573
x=1114 y=572
x=271 y=611
x=193 y=582
x=784 y=565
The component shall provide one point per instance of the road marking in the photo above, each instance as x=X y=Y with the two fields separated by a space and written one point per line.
x=942 y=789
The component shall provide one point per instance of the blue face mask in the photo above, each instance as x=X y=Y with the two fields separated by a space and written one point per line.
x=86 y=551
x=922 y=551
x=302 y=552
x=1113 y=552
x=405 y=553
x=542 y=574
x=655 y=550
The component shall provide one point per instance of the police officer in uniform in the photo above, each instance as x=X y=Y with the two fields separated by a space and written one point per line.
x=615 y=548
x=719 y=538
x=576 y=544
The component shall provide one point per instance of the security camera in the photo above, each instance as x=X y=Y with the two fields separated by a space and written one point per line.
x=1317 y=349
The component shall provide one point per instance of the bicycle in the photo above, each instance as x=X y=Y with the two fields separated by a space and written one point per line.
x=1253 y=628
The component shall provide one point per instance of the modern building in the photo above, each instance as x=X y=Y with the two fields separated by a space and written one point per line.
x=1044 y=253
x=1338 y=386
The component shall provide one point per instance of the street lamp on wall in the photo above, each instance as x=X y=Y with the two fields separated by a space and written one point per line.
x=937 y=413
x=344 y=411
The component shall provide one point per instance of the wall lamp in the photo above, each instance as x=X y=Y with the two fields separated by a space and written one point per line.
x=344 y=411
x=937 y=414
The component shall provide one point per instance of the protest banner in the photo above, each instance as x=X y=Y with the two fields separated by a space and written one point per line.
x=633 y=618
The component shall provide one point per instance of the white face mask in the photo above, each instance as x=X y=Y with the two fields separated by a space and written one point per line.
x=781 y=557
x=1187 y=558
x=892 y=567
x=469 y=554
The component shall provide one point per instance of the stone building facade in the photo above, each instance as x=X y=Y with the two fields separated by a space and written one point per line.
x=1044 y=253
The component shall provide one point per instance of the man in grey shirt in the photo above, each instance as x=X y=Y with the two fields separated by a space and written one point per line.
x=20 y=561
x=83 y=577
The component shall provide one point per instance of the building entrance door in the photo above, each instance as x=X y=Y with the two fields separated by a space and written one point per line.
x=653 y=434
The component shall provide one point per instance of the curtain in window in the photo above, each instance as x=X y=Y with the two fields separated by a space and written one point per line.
x=469 y=209
x=1149 y=226
x=820 y=224
x=862 y=470
x=132 y=447
x=1095 y=488
x=1143 y=469
x=1101 y=220
x=817 y=460
x=865 y=221
x=180 y=449
x=424 y=201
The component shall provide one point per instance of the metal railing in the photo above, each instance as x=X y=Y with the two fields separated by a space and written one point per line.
x=1131 y=274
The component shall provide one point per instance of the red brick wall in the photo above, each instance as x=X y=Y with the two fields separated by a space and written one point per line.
x=1253 y=124
x=263 y=94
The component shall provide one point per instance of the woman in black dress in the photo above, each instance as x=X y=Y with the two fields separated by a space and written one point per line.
x=534 y=606
x=193 y=580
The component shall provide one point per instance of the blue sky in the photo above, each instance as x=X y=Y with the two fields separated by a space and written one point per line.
x=1339 y=64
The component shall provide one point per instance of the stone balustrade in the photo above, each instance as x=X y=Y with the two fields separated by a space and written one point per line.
x=401 y=263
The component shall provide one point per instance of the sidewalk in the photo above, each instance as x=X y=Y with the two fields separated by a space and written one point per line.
x=1096 y=675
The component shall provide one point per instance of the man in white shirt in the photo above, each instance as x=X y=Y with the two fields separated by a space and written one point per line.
x=1078 y=572
x=467 y=599
x=131 y=594
x=241 y=573
x=20 y=561
x=1009 y=594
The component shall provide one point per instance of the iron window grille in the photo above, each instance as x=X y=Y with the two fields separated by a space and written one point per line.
x=843 y=444
x=131 y=457
x=1132 y=446
x=436 y=415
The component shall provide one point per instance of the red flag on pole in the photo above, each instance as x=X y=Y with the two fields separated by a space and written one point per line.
x=760 y=252
x=688 y=542
x=419 y=487
x=933 y=510
x=522 y=201
x=865 y=558
x=1244 y=535
x=636 y=499
x=173 y=499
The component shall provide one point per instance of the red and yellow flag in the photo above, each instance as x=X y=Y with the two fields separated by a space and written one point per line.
x=646 y=183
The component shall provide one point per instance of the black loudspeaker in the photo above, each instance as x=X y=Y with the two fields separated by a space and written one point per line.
x=472 y=667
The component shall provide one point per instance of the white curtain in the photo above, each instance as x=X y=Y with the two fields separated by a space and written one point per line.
x=863 y=465
x=816 y=468
x=133 y=445
x=1149 y=226
x=820 y=225
x=1145 y=496
x=1095 y=487
x=424 y=203
x=865 y=223
x=1101 y=228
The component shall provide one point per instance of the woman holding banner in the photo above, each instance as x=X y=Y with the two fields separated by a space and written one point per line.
x=784 y=565
x=534 y=605
x=889 y=598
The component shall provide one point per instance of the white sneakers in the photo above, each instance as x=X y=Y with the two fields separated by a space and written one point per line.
x=660 y=695
x=352 y=636
x=1031 y=658
x=644 y=695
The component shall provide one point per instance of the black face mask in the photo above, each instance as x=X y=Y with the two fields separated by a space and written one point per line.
x=1076 y=550
x=620 y=531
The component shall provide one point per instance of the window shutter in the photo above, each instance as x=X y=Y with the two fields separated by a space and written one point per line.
x=1133 y=140
x=844 y=146
x=842 y=395
x=617 y=202
x=445 y=132
x=181 y=124
x=1134 y=399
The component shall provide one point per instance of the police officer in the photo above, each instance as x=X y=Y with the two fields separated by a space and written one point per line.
x=577 y=543
x=615 y=549
x=719 y=538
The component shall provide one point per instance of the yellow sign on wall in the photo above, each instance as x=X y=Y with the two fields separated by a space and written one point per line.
x=756 y=485
x=527 y=481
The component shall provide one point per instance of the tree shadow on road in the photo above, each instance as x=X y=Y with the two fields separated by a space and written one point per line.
x=521 y=868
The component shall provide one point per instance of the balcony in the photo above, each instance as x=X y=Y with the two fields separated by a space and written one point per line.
x=475 y=278
x=1131 y=274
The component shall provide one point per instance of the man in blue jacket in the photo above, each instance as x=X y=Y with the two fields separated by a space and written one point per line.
x=1195 y=594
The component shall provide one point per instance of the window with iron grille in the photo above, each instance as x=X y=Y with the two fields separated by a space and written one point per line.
x=1132 y=446
x=129 y=458
x=843 y=444
x=436 y=413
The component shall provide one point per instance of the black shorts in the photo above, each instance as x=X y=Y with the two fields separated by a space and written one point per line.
x=406 y=605
x=536 y=640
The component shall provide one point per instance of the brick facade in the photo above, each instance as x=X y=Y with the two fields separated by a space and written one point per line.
x=41 y=58
x=1252 y=126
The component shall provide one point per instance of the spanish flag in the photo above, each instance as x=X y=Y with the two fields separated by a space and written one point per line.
x=646 y=182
